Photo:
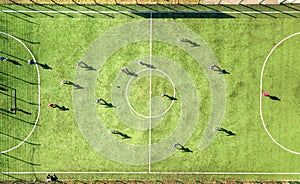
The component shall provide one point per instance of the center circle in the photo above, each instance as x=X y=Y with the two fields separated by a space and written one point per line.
x=150 y=93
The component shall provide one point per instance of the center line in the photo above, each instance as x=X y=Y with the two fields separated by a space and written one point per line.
x=150 y=104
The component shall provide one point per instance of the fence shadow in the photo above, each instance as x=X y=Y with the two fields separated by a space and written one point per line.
x=91 y=9
x=47 y=7
x=175 y=15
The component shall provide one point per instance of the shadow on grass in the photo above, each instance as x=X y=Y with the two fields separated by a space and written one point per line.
x=19 y=139
x=290 y=7
x=123 y=135
x=18 y=78
x=168 y=7
x=229 y=7
x=74 y=10
x=14 y=62
x=274 y=98
x=107 y=7
x=126 y=6
x=20 y=4
x=47 y=7
x=21 y=160
x=272 y=8
x=175 y=15
x=28 y=41
x=44 y=66
x=228 y=132
x=13 y=56
x=148 y=7
x=89 y=8
x=22 y=13
x=18 y=99
x=23 y=111
x=192 y=43
x=7 y=113
x=82 y=64
x=62 y=108
x=251 y=8
x=188 y=7
x=76 y=86
x=11 y=176
x=18 y=17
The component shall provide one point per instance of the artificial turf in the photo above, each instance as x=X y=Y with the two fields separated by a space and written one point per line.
x=240 y=45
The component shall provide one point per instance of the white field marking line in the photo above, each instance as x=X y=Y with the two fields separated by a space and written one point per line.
x=150 y=95
x=148 y=12
x=167 y=173
x=128 y=101
x=260 y=99
x=39 y=99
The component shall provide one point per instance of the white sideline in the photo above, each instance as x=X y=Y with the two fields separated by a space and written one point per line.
x=163 y=173
x=148 y=12
x=39 y=104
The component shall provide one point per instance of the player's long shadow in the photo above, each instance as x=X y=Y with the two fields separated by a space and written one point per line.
x=76 y=86
x=44 y=66
x=108 y=105
x=19 y=139
x=24 y=161
x=14 y=62
x=186 y=150
x=124 y=136
x=193 y=44
x=169 y=97
x=147 y=65
x=62 y=108
x=229 y=133
x=223 y=72
x=274 y=98
x=86 y=66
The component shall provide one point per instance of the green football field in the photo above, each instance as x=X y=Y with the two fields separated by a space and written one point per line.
x=129 y=57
